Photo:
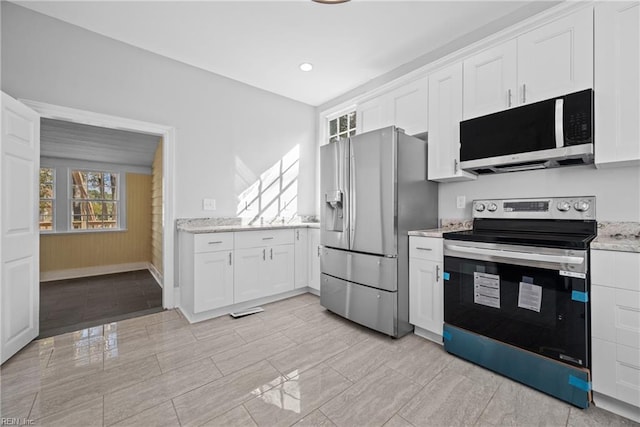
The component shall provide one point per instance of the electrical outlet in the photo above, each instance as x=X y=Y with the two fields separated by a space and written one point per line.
x=209 y=204
x=460 y=202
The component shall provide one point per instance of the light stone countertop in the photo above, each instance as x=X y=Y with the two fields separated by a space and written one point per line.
x=447 y=226
x=617 y=236
x=214 y=225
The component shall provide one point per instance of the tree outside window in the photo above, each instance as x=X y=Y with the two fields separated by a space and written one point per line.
x=94 y=200
x=47 y=198
x=342 y=127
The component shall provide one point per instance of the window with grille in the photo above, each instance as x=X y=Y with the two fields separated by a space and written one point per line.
x=94 y=200
x=47 y=198
x=342 y=127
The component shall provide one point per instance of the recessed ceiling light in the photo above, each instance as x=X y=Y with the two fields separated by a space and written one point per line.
x=305 y=66
x=330 y=1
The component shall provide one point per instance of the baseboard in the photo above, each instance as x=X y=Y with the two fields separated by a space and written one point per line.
x=431 y=336
x=74 y=273
x=156 y=274
x=616 y=406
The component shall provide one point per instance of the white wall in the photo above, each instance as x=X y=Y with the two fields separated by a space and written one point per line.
x=617 y=190
x=223 y=127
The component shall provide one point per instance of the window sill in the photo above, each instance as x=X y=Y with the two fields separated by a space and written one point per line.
x=67 y=232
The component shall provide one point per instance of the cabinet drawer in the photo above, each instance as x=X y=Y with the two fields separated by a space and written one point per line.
x=616 y=269
x=212 y=242
x=425 y=248
x=616 y=371
x=254 y=239
x=615 y=315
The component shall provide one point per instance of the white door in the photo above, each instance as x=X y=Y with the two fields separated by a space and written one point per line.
x=249 y=273
x=213 y=283
x=19 y=231
x=490 y=80
x=302 y=258
x=556 y=58
x=425 y=295
x=279 y=274
x=409 y=107
x=445 y=113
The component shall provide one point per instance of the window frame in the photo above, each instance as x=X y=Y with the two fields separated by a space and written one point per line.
x=115 y=199
x=51 y=199
x=64 y=194
x=351 y=116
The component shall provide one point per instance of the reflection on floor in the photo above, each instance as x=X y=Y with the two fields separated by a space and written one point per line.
x=295 y=363
x=74 y=304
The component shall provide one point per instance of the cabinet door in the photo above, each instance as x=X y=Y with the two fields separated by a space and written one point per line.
x=617 y=86
x=301 y=244
x=490 y=80
x=279 y=274
x=445 y=113
x=249 y=272
x=213 y=280
x=426 y=304
x=557 y=58
x=314 y=259
x=372 y=114
x=408 y=107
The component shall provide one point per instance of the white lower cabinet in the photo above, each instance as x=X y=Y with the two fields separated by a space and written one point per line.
x=426 y=293
x=615 y=329
x=218 y=270
x=314 y=259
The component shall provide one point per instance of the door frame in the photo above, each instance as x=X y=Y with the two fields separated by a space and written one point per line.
x=57 y=112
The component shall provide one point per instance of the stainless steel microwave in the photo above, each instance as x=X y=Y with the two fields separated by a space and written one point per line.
x=550 y=133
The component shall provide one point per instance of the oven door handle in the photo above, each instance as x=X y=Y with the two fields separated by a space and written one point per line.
x=526 y=256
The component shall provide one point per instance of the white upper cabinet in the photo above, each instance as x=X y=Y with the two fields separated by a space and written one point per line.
x=404 y=107
x=617 y=87
x=556 y=58
x=445 y=113
x=552 y=60
x=490 y=80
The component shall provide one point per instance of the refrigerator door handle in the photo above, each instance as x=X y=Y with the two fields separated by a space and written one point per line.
x=352 y=198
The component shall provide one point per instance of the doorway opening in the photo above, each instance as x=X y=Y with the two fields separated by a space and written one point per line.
x=106 y=176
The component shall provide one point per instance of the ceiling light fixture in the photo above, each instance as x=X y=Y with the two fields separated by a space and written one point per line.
x=305 y=66
x=331 y=1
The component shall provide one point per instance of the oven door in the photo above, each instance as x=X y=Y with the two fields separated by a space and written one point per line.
x=532 y=298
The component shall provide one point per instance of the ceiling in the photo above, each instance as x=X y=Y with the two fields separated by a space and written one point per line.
x=66 y=140
x=262 y=43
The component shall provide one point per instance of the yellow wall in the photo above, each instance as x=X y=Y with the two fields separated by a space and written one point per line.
x=156 y=209
x=67 y=251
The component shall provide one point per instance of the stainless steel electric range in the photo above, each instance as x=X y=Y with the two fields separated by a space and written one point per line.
x=517 y=292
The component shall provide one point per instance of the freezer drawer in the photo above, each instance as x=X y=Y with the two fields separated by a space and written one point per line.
x=371 y=270
x=373 y=308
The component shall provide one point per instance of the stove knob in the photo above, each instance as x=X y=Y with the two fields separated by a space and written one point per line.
x=492 y=207
x=564 y=206
x=479 y=207
x=581 y=206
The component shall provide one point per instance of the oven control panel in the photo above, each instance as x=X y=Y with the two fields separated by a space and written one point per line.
x=582 y=207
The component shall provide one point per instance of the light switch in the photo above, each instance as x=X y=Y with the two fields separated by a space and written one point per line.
x=209 y=204
x=460 y=202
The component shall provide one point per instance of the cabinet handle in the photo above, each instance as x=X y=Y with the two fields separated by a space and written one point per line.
x=264 y=254
x=424 y=249
x=509 y=97
x=229 y=258
x=318 y=247
x=524 y=93
x=271 y=253
x=455 y=165
x=267 y=238
x=297 y=234
x=437 y=273
x=216 y=242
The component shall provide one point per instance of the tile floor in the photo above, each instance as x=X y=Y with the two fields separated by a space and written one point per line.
x=70 y=305
x=293 y=364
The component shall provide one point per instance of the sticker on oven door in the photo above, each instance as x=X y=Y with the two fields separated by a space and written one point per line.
x=486 y=289
x=572 y=274
x=530 y=296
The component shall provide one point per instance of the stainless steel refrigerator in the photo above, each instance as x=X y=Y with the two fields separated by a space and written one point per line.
x=374 y=190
